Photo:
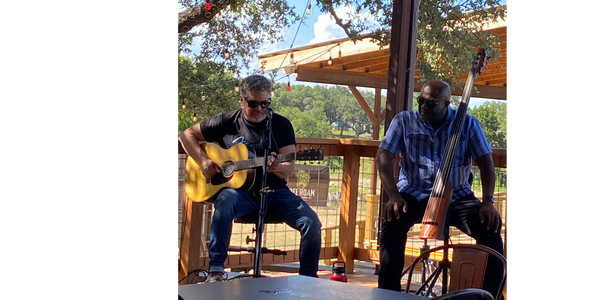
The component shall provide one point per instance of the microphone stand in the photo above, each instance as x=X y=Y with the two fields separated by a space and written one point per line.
x=263 y=196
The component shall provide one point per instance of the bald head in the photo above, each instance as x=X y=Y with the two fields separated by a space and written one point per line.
x=434 y=101
x=437 y=89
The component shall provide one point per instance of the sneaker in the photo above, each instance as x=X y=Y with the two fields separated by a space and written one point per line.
x=215 y=276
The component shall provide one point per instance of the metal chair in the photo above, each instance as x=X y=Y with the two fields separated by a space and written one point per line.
x=466 y=294
x=467 y=268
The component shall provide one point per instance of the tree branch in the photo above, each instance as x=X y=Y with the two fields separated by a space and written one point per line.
x=198 y=14
x=338 y=21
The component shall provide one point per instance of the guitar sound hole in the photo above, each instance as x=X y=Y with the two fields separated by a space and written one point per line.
x=227 y=169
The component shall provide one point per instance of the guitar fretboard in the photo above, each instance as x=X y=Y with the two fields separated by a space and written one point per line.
x=259 y=161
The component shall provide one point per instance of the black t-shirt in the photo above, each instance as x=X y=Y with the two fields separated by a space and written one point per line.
x=230 y=128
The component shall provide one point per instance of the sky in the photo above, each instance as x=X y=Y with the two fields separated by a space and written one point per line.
x=319 y=27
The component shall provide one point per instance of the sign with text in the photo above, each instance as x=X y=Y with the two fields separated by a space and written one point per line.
x=311 y=182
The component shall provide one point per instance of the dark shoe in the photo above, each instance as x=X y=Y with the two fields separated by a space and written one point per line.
x=215 y=276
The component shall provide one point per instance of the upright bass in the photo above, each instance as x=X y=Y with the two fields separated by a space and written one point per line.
x=434 y=221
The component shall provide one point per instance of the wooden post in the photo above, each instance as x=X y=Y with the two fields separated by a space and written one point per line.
x=401 y=71
x=348 y=205
x=403 y=50
x=192 y=241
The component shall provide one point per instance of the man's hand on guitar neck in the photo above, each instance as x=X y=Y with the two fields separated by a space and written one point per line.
x=283 y=169
x=272 y=164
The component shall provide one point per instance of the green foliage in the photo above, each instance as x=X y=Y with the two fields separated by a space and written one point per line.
x=492 y=116
x=240 y=29
x=447 y=29
x=307 y=123
x=206 y=88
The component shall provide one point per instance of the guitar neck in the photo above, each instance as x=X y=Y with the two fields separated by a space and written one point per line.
x=259 y=161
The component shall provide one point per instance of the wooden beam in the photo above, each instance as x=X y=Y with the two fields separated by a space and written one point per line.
x=367 y=63
x=317 y=52
x=342 y=78
x=378 y=113
x=380 y=81
x=363 y=103
x=480 y=91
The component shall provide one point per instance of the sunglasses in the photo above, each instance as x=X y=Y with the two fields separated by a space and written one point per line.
x=428 y=103
x=253 y=103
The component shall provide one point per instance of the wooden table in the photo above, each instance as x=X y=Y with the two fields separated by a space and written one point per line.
x=288 y=287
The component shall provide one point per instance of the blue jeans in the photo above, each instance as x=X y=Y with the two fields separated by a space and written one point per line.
x=286 y=205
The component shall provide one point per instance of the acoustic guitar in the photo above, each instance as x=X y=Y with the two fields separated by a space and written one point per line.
x=237 y=169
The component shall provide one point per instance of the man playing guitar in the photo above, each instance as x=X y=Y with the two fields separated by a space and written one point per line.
x=248 y=125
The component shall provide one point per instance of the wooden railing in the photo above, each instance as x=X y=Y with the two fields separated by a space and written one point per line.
x=195 y=216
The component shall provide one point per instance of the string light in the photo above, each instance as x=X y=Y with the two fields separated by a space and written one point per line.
x=237 y=87
x=226 y=53
x=308 y=9
x=330 y=61
x=183 y=105
x=207 y=5
x=272 y=93
x=203 y=97
x=292 y=60
x=195 y=118
x=289 y=87
x=340 y=52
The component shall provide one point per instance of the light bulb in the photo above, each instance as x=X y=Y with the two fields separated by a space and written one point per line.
x=272 y=93
x=195 y=118
x=226 y=53
x=289 y=87
x=203 y=97
x=340 y=54
x=308 y=9
x=292 y=60
x=183 y=105
x=237 y=87
x=330 y=62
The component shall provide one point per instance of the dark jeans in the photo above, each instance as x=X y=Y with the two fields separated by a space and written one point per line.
x=464 y=214
x=286 y=205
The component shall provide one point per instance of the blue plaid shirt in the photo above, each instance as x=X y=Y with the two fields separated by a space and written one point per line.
x=422 y=147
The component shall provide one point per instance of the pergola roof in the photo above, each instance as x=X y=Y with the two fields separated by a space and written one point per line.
x=363 y=64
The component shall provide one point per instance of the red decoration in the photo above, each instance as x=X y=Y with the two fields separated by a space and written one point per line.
x=208 y=4
x=289 y=88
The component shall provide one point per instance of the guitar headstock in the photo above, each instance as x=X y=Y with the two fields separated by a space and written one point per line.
x=310 y=154
x=479 y=62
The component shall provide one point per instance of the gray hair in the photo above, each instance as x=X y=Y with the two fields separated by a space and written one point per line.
x=255 y=83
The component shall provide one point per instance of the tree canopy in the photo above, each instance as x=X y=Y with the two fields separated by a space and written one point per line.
x=232 y=31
